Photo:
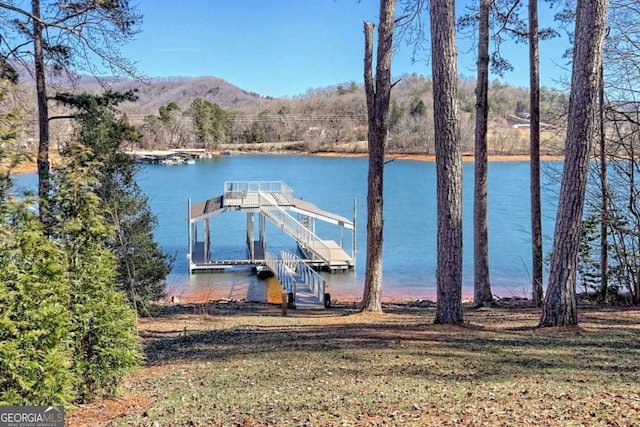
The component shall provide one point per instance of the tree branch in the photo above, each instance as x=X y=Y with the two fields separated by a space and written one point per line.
x=72 y=116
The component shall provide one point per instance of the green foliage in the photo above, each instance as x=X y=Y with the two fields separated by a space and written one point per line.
x=166 y=112
x=395 y=114
x=552 y=101
x=35 y=319
x=66 y=332
x=256 y=135
x=337 y=115
x=142 y=266
x=104 y=335
x=106 y=345
x=210 y=121
x=10 y=156
x=588 y=263
x=351 y=88
x=417 y=107
x=7 y=71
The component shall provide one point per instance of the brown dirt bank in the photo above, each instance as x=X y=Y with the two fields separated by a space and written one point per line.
x=432 y=158
x=31 y=167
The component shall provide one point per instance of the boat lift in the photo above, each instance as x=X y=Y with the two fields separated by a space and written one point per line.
x=273 y=201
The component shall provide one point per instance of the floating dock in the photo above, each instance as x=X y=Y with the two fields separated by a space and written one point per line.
x=273 y=201
x=169 y=157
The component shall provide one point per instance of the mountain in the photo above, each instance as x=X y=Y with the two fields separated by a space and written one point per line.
x=153 y=92
x=160 y=91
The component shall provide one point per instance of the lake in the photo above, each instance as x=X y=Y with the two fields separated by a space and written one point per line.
x=409 y=250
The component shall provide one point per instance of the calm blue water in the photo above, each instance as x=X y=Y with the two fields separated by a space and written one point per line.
x=409 y=249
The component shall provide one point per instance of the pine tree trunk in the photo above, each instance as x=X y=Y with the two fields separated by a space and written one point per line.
x=482 y=285
x=378 y=97
x=44 y=186
x=448 y=161
x=560 y=306
x=534 y=150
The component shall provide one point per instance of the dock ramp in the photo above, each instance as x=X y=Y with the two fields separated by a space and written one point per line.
x=306 y=288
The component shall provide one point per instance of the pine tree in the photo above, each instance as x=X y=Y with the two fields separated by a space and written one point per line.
x=35 y=318
x=105 y=341
x=142 y=266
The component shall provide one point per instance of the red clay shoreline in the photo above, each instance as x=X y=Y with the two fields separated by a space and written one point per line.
x=395 y=297
x=432 y=157
x=31 y=167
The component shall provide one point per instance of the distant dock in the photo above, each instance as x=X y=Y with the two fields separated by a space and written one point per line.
x=174 y=156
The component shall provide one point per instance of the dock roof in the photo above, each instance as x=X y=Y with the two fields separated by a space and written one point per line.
x=214 y=206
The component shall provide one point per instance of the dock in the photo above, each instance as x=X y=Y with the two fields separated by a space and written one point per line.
x=273 y=201
x=174 y=156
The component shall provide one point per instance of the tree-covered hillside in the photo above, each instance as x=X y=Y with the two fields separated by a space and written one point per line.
x=334 y=118
x=208 y=112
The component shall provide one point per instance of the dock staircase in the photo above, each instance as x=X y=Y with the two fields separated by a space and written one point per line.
x=309 y=243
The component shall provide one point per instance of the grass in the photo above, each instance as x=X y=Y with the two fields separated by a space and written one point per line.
x=247 y=365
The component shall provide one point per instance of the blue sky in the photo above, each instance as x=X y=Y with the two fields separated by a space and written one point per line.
x=285 y=47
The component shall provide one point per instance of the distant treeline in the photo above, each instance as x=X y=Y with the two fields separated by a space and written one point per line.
x=327 y=118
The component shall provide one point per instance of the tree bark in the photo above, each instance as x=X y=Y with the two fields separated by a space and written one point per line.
x=448 y=161
x=44 y=184
x=560 y=307
x=534 y=150
x=482 y=284
x=378 y=97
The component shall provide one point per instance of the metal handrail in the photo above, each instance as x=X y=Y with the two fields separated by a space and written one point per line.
x=271 y=261
x=294 y=228
x=244 y=193
x=284 y=275
x=310 y=277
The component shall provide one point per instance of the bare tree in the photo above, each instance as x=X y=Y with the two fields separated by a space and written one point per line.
x=482 y=283
x=79 y=35
x=560 y=306
x=448 y=161
x=534 y=154
x=378 y=117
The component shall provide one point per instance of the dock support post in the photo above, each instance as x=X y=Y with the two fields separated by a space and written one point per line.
x=189 y=239
x=207 y=240
x=263 y=232
x=250 y=239
x=195 y=235
x=354 y=252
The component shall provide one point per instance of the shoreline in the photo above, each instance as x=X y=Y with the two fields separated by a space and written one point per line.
x=243 y=304
x=273 y=295
x=31 y=167
x=432 y=157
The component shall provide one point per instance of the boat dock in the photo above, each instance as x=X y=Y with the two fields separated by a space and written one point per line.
x=174 y=156
x=273 y=201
